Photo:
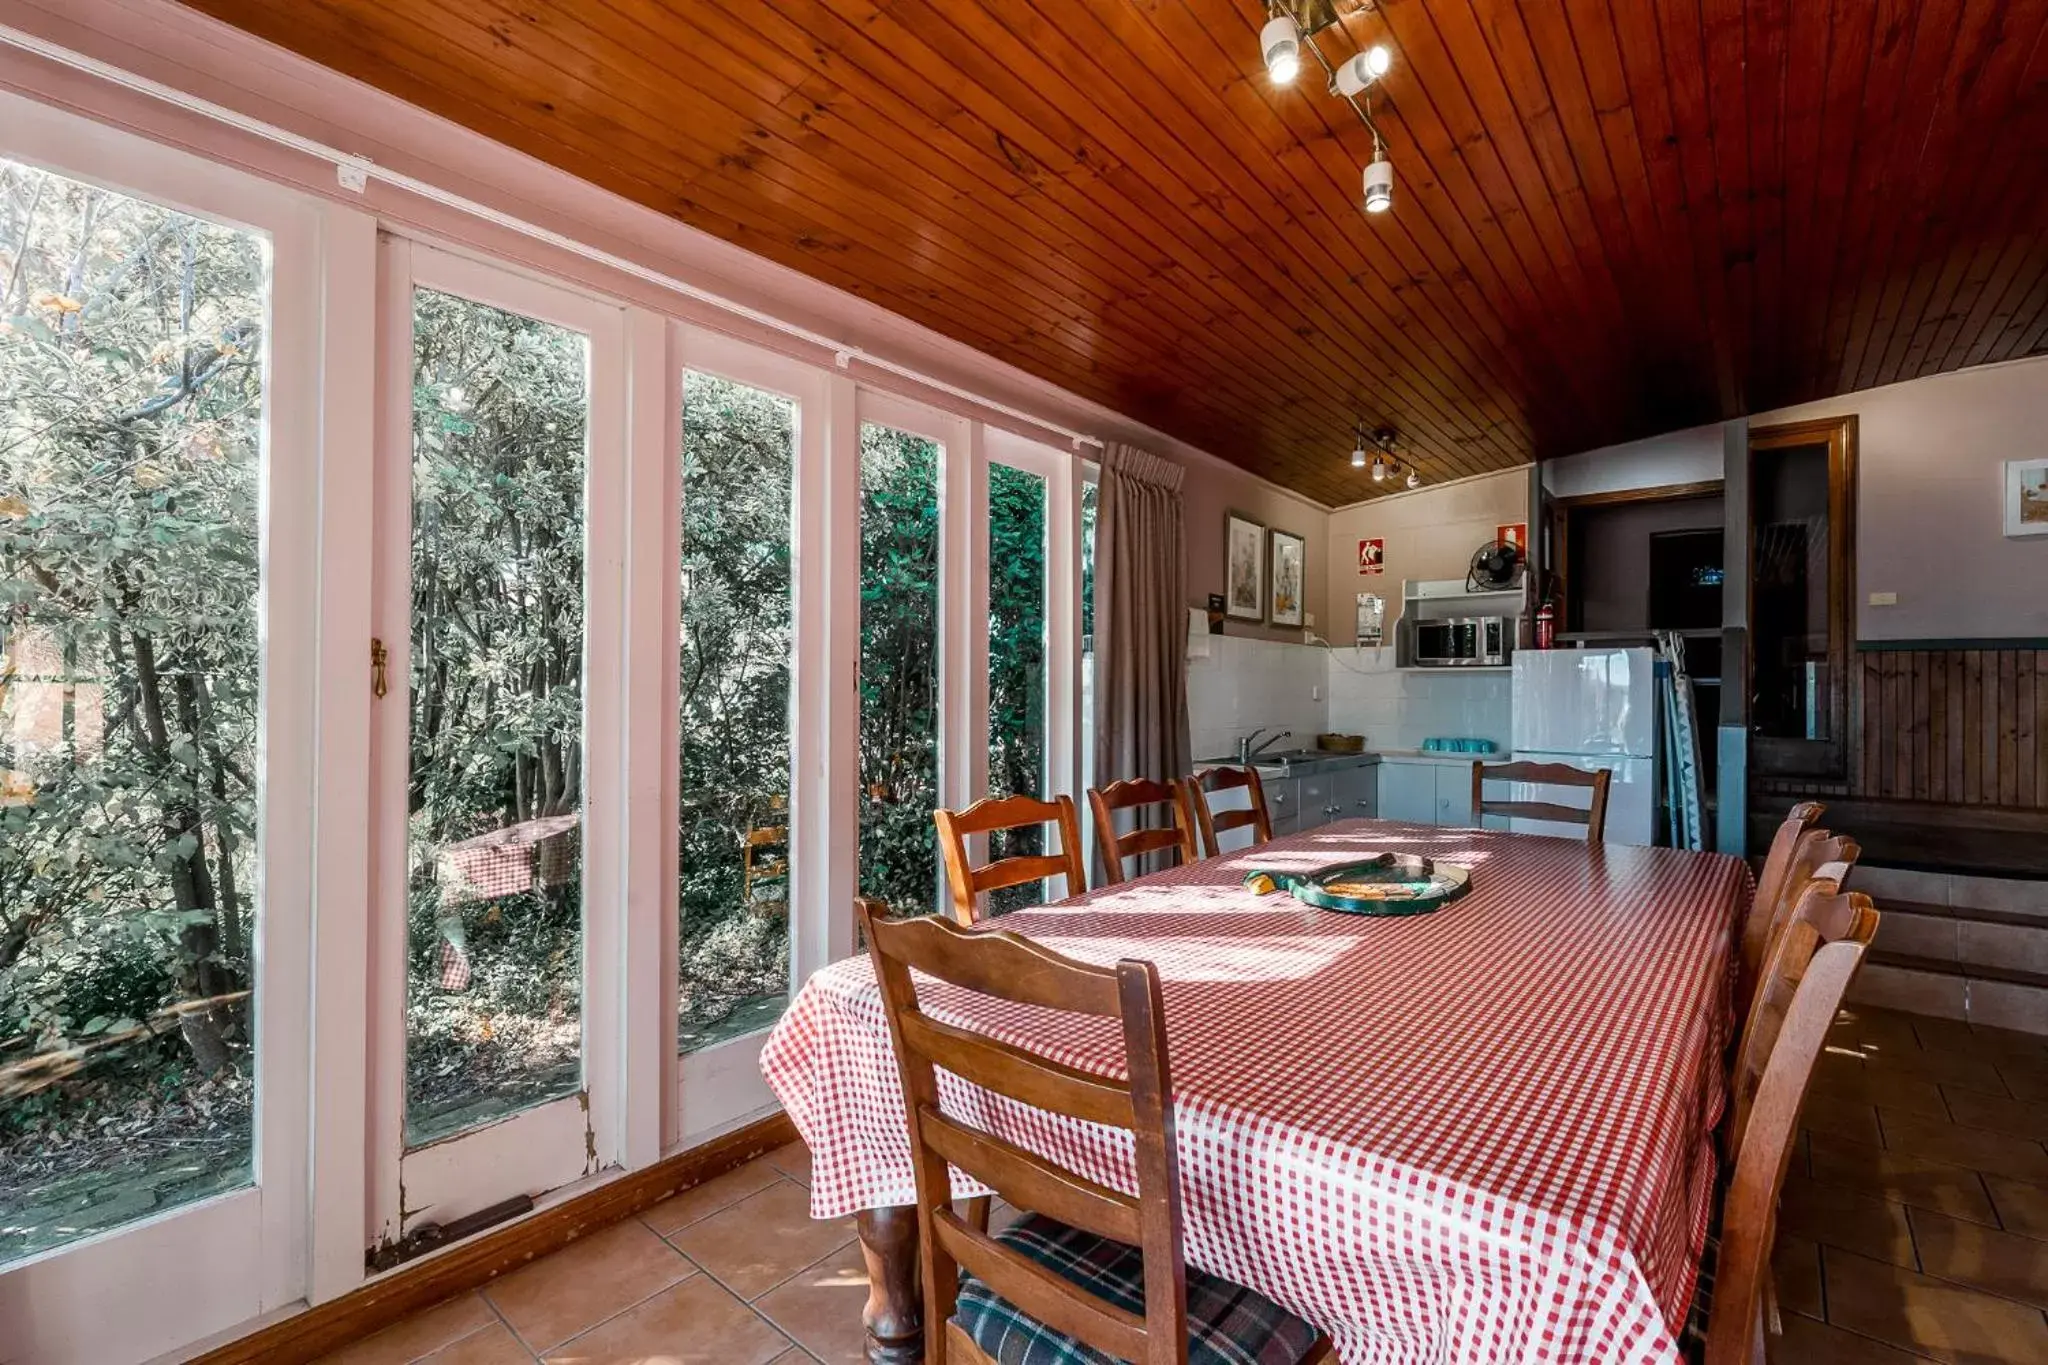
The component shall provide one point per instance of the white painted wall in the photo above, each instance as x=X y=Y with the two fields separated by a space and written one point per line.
x=1929 y=511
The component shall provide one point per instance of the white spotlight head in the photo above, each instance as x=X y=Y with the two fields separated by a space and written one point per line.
x=1379 y=470
x=1414 y=479
x=1379 y=185
x=1280 y=43
x=1361 y=71
x=1358 y=457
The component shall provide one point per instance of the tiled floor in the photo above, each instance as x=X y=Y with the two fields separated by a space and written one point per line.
x=1915 y=1227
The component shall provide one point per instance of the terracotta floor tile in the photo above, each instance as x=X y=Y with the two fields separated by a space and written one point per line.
x=1946 y=1035
x=1978 y=1148
x=680 y=1210
x=1827 y=1112
x=1874 y=1027
x=820 y=1308
x=2022 y=1208
x=427 y=1330
x=764 y=1239
x=1903 y=1179
x=1806 y=1342
x=1795 y=1269
x=2017 y=1117
x=1983 y=1258
x=693 y=1323
x=1931 y=1317
x=1908 y=1094
x=2025 y=1077
x=1841 y=1217
x=1978 y=1071
x=491 y=1346
x=793 y=1161
x=586 y=1282
x=2008 y=1042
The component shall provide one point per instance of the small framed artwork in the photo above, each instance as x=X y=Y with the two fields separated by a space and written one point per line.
x=2026 y=498
x=1372 y=556
x=1289 y=573
x=1244 y=567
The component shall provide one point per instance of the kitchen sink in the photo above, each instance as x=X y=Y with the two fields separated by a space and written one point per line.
x=1294 y=762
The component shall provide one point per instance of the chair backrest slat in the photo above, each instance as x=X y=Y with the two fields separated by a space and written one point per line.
x=1038 y=1081
x=1032 y=1182
x=1806 y=977
x=1593 y=815
x=1141 y=796
x=1816 y=853
x=1008 y=967
x=1214 y=822
x=992 y=815
x=1771 y=886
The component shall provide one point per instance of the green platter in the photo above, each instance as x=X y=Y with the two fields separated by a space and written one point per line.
x=1390 y=884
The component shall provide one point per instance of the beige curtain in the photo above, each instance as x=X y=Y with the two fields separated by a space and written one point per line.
x=1141 y=620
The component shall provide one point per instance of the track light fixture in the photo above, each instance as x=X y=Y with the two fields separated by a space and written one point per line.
x=1280 y=42
x=1294 y=24
x=1375 y=451
x=1379 y=181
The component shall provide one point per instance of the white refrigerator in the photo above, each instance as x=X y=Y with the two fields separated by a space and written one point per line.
x=1589 y=708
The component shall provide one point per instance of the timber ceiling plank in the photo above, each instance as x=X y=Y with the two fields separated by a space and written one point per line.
x=1613 y=217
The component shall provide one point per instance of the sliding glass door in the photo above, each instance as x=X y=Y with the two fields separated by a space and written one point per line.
x=156 y=396
x=497 y=491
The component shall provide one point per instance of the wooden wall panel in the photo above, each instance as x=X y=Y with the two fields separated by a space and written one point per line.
x=1951 y=726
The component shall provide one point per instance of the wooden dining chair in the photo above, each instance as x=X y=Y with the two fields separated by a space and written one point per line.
x=1213 y=822
x=1805 y=978
x=1142 y=796
x=1771 y=886
x=993 y=815
x=1816 y=853
x=1593 y=815
x=1087 y=1267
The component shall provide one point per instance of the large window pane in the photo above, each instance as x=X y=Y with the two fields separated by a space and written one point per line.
x=131 y=417
x=1090 y=492
x=1016 y=660
x=495 y=981
x=739 y=452
x=899 y=668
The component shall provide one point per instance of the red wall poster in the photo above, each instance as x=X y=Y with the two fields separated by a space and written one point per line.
x=1372 y=556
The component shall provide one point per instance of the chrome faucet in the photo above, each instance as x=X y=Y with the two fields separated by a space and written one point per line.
x=1251 y=746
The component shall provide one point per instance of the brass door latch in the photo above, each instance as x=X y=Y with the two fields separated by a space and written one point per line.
x=379 y=657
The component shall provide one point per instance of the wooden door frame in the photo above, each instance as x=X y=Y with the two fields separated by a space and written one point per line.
x=1839 y=435
x=1560 y=513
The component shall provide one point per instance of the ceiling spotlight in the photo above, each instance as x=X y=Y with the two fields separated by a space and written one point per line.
x=1379 y=182
x=1358 y=458
x=1414 y=479
x=1352 y=78
x=1280 y=41
x=1379 y=470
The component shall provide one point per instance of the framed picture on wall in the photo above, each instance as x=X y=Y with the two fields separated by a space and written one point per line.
x=2026 y=498
x=1244 y=567
x=1289 y=574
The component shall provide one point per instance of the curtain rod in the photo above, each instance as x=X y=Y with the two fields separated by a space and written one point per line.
x=355 y=172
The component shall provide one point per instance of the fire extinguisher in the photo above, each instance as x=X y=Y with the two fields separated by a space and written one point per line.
x=1546 y=625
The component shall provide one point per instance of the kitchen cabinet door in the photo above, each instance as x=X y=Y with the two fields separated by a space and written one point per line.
x=1315 y=801
x=1283 y=803
x=1355 y=793
x=1453 y=794
x=1407 y=791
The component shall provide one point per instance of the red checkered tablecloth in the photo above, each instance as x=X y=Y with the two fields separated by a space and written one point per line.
x=1478 y=1135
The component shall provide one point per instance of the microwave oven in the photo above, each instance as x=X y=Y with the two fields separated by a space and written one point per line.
x=1463 y=641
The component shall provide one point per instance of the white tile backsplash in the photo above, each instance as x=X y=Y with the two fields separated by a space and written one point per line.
x=1245 y=684
x=1398 y=709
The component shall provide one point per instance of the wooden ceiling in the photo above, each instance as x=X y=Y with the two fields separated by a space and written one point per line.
x=1613 y=217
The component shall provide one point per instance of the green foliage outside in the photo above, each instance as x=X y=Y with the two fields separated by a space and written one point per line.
x=131 y=406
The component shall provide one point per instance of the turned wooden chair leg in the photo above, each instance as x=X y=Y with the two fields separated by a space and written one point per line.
x=894 y=1315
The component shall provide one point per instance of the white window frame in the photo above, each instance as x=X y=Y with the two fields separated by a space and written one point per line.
x=204 y=1267
x=720 y=1087
x=552 y=1144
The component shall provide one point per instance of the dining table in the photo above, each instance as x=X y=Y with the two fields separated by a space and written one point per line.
x=1479 y=1134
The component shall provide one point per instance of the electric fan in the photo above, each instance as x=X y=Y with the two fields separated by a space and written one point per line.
x=1495 y=566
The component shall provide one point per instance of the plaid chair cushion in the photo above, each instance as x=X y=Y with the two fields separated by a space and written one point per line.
x=1227 y=1324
